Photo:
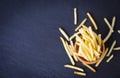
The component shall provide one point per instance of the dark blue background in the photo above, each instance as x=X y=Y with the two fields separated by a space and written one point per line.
x=29 y=38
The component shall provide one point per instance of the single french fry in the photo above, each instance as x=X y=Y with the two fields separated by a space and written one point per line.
x=99 y=39
x=92 y=20
x=113 y=21
x=93 y=36
x=91 y=68
x=91 y=50
x=63 y=33
x=110 y=58
x=74 y=67
x=67 y=51
x=83 y=22
x=75 y=16
x=108 y=24
x=111 y=48
x=97 y=64
x=107 y=37
x=72 y=51
x=118 y=31
x=116 y=48
x=71 y=37
x=80 y=73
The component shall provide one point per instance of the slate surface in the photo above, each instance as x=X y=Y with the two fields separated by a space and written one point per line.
x=29 y=38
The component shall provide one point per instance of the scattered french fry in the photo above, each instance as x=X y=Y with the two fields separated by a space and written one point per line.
x=73 y=36
x=108 y=24
x=118 y=31
x=111 y=28
x=113 y=21
x=72 y=52
x=92 y=20
x=80 y=73
x=67 y=51
x=110 y=58
x=82 y=23
x=116 y=48
x=75 y=16
x=97 y=64
x=107 y=37
x=111 y=48
x=63 y=33
x=91 y=68
x=74 y=67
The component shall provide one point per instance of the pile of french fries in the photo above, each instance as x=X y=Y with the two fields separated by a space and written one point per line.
x=86 y=46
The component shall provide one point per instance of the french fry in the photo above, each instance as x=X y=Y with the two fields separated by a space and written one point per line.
x=72 y=51
x=75 y=16
x=91 y=50
x=92 y=20
x=99 y=39
x=73 y=36
x=113 y=21
x=63 y=33
x=80 y=73
x=111 y=28
x=111 y=48
x=86 y=46
x=108 y=24
x=107 y=37
x=110 y=58
x=118 y=31
x=67 y=51
x=74 y=67
x=97 y=64
x=93 y=36
x=91 y=68
x=80 y=52
x=116 y=48
x=83 y=22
